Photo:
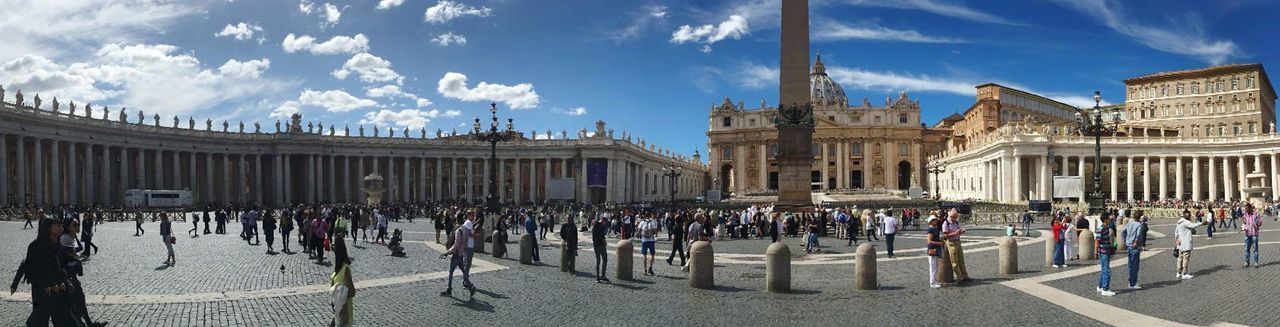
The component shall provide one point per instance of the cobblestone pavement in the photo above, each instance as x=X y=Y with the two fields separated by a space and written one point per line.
x=542 y=295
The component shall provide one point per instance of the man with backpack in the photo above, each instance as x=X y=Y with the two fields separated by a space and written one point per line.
x=648 y=238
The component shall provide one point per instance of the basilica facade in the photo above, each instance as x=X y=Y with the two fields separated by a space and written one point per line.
x=858 y=146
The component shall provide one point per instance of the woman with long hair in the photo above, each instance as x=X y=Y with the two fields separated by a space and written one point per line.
x=343 y=303
x=51 y=288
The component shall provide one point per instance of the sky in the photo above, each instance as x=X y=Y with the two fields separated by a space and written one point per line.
x=650 y=68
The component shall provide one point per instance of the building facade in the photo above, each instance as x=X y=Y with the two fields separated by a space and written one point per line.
x=1154 y=156
x=54 y=156
x=863 y=146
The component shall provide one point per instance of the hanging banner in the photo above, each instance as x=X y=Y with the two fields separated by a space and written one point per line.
x=1068 y=187
x=597 y=173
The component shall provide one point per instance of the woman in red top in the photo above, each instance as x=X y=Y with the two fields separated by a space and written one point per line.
x=1059 y=227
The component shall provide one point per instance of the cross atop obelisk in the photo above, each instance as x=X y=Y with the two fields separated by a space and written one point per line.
x=795 y=114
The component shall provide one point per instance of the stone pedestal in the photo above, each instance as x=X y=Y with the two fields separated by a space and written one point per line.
x=625 y=258
x=499 y=245
x=526 y=249
x=567 y=259
x=945 y=273
x=1087 y=251
x=777 y=268
x=702 y=265
x=1008 y=256
x=864 y=271
x=1050 y=248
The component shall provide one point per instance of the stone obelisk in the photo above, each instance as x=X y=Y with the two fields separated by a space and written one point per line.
x=795 y=112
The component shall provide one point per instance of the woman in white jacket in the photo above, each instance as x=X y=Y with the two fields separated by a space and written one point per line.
x=1182 y=243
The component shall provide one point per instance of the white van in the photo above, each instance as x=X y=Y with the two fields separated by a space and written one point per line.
x=157 y=199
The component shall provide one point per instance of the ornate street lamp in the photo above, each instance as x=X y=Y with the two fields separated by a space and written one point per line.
x=936 y=169
x=493 y=136
x=1097 y=127
x=672 y=173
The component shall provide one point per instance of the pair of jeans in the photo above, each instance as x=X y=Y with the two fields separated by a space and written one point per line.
x=888 y=242
x=535 y=250
x=1026 y=228
x=1059 y=253
x=1251 y=246
x=1135 y=263
x=602 y=261
x=677 y=246
x=1209 y=229
x=458 y=262
x=1104 y=281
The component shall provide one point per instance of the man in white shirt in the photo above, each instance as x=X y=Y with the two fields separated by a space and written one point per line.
x=648 y=239
x=1182 y=242
x=890 y=228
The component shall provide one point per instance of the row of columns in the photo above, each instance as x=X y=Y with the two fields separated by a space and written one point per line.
x=1196 y=178
x=45 y=171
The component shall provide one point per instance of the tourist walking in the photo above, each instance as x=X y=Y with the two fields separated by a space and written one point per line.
x=1060 y=230
x=1105 y=244
x=677 y=240
x=286 y=226
x=458 y=253
x=166 y=232
x=1027 y=219
x=43 y=268
x=531 y=227
x=1251 y=224
x=648 y=238
x=137 y=223
x=1182 y=239
x=86 y=235
x=569 y=236
x=934 y=250
x=870 y=224
x=952 y=231
x=1072 y=237
x=206 y=221
x=1133 y=242
x=598 y=232
x=344 y=288
x=319 y=232
x=269 y=228
x=195 y=225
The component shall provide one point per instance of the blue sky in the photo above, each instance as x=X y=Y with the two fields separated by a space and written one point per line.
x=652 y=68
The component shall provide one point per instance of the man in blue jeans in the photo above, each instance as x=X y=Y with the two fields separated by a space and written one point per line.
x=531 y=227
x=1103 y=241
x=1132 y=233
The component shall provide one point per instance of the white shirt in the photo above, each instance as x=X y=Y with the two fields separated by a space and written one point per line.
x=471 y=242
x=1183 y=233
x=646 y=226
x=890 y=225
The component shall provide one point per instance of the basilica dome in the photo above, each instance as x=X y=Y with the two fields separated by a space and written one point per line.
x=824 y=91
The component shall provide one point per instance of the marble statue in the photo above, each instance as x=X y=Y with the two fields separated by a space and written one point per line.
x=37 y=101
x=610 y=135
x=18 y=99
x=191 y=122
x=361 y=130
x=331 y=131
x=1 y=93
x=73 y=107
x=564 y=134
x=105 y=112
x=225 y=126
x=123 y=117
x=208 y=124
x=405 y=132
x=422 y=133
x=241 y=126
x=55 y=104
x=311 y=128
x=142 y=118
x=391 y=131
x=175 y=121
x=439 y=133
x=257 y=128
x=320 y=128
x=376 y=131
x=277 y=125
x=346 y=130
x=155 y=119
x=549 y=134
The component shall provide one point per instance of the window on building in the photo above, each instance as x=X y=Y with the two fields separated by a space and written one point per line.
x=904 y=149
x=857 y=149
x=902 y=118
x=728 y=121
x=857 y=118
x=1219 y=86
x=1164 y=91
x=1235 y=130
x=773 y=148
x=1179 y=88
x=751 y=122
x=815 y=150
x=1208 y=131
x=726 y=153
x=1195 y=88
x=877 y=119
x=1248 y=82
x=1235 y=84
x=1252 y=128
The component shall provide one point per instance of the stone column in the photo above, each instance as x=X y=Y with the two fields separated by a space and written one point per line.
x=1146 y=178
x=517 y=183
x=142 y=169
x=1115 y=179
x=1084 y=180
x=470 y=175
x=241 y=190
x=332 y=179
x=764 y=167
x=159 y=167
x=1213 y=179
x=226 y=177
x=1195 y=179
x=208 y=185
x=90 y=177
x=4 y=169
x=842 y=169
x=286 y=161
x=1164 y=179
x=37 y=170
x=823 y=165
x=1226 y=179
x=422 y=179
x=20 y=166
x=404 y=181
x=1178 y=179
x=177 y=169
x=1128 y=178
x=278 y=172
x=257 y=180
x=533 y=179
x=73 y=174
x=105 y=188
x=582 y=181
x=1046 y=192
x=1240 y=178
x=1018 y=193
x=564 y=167
x=55 y=172
x=1275 y=182
x=310 y=180
x=546 y=176
x=502 y=180
x=438 y=180
x=453 y=178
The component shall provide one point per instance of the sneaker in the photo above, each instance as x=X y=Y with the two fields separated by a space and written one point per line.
x=935 y=285
x=1177 y=276
x=1187 y=276
x=1135 y=287
x=1107 y=293
x=1057 y=266
x=1099 y=289
x=447 y=292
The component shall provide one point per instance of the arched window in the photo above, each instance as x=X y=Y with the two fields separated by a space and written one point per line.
x=728 y=121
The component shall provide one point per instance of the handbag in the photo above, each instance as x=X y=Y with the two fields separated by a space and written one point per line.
x=326 y=245
x=173 y=240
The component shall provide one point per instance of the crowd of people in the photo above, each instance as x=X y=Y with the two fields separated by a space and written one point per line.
x=65 y=237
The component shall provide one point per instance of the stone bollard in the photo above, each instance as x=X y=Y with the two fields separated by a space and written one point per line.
x=526 y=249
x=1121 y=246
x=479 y=246
x=864 y=267
x=702 y=265
x=625 y=257
x=1049 y=251
x=1008 y=256
x=1087 y=251
x=945 y=273
x=567 y=262
x=777 y=268
x=499 y=245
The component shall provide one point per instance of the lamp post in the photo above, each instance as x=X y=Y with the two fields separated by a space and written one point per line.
x=493 y=136
x=1097 y=127
x=672 y=173
x=936 y=169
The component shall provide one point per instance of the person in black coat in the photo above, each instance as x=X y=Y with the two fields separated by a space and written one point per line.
x=51 y=288
x=569 y=235
x=598 y=243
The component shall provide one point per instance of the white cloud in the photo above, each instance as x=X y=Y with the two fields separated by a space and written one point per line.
x=938 y=7
x=576 y=111
x=54 y=28
x=334 y=100
x=835 y=31
x=155 y=78
x=336 y=45
x=410 y=118
x=305 y=7
x=734 y=27
x=371 y=69
x=394 y=91
x=1186 y=36
x=1078 y=101
x=332 y=14
x=520 y=96
x=649 y=15
x=248 y=69
x=890 y=81
x=240 y=31
x=449 y=38
x=756 y=76
x=445 y=11
x=388 y=4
